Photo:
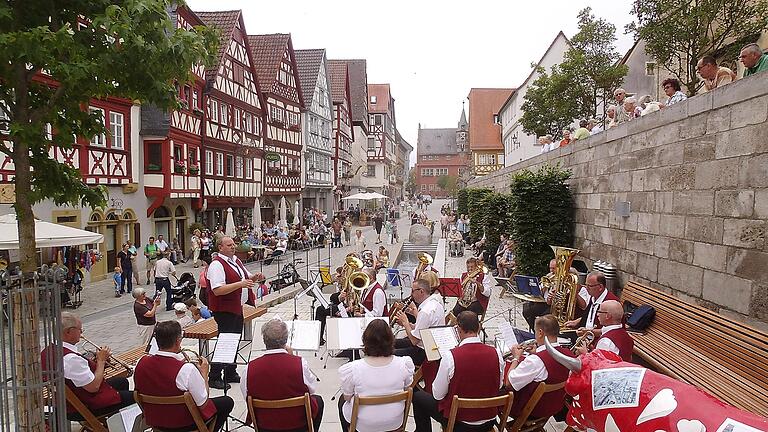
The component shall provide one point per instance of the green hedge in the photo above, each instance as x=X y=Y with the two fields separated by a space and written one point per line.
x=541 y=208
x=497 y=219
x=462 y=199
x=476 y=211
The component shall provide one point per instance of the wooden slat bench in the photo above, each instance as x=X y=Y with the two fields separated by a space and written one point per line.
x=696 y=345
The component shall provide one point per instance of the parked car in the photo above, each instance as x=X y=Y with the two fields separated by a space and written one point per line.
x=426 y=199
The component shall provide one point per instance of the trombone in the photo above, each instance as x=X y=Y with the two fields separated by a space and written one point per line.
x=112 y=361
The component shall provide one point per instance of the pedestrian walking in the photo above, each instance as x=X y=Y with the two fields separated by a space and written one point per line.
x=196 y=248
x=348 y=229
x=378 y=224
x=151 y=252
x=164 y=269
x=125 y=258
x=359 y=241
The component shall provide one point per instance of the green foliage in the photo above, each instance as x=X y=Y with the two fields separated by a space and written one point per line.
x=462 y=201
x=447 y=183
x=497 y=218
x=476 y=211
x=542 y=214
x=677 y=33
x=581 y=84
x=410 y=185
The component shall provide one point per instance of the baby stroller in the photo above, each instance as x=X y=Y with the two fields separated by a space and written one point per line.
x=184 y=289
x=287 y=277
x=70 y=294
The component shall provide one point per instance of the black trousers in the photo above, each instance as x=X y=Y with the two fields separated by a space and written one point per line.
x=315 y=421
x=531 y=310
x=227 y=323
x=404 y=348
x=127 y=279
x=475 y=307
x=126 y=399
x=224 y=406
x=425 y=409
x=164 y=284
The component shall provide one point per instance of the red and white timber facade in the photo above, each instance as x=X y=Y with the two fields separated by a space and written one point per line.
x=382 y=144
x=233 y=138
x=343 y=133
x=275 y=64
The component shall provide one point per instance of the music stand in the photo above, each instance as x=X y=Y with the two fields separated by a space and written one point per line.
x=225 y=353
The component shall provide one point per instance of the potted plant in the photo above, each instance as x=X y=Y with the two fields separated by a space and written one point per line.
x=179 y=168
x=278 y=123
x=194 y=169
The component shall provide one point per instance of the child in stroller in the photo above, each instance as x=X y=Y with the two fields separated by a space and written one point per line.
x=184 y=289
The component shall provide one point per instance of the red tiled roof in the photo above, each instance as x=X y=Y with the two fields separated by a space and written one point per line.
x=225 y=22
x=483 y=104
x=267 y=53
x=338 y=71
x=383 y=97
x=308 y=61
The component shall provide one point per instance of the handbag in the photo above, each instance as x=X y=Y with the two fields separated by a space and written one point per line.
x=640 y=317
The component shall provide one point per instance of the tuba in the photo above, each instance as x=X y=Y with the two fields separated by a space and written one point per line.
x=564 y=286
x=469 y=287
x=354 y=282
x=425 y=259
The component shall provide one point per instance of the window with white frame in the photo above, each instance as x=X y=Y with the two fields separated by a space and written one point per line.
x=116 y=130
x=195 y=100
x=431 y=187
x=219 y=164
x=239 y=167
x=423 y=188
x=371 y=143
x=371 y=172
x=224 y=114
x=248 y=122
x=277 y=114
x=4 y=120
x=209 y=162
x=650 y=68
x=238 y=115
x=100 y=139
x=248 y=168
x=373 y=99
x=214 y=110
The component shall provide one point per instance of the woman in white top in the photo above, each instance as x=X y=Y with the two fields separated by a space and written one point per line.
x=359 y=241
x=379 y=373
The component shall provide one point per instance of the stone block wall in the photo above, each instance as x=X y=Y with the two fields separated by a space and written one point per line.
x=696 y=175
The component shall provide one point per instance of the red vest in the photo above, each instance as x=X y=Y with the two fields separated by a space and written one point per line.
x=623 y=341
x=476 y=375
x=278 y=376
x=368 y=300
x=608 y=296
x=228 y=302
x=106 y=396
x=155 y=375
x=550 y=403
x=479 y=292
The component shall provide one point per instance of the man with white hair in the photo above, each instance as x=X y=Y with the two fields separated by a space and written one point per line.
x=278 y=374
x=754 y=59
x=631 y=109
x=619 y=95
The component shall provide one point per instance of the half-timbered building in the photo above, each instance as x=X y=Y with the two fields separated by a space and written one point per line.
x=357 y=70
x=317 y=129
x=233 y=113
x=382 y=143
x=343 y=133
x=275 y=65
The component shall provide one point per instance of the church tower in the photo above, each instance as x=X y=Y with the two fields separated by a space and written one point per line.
x=462 y=132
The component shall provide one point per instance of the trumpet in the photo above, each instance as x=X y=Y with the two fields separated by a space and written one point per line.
x=112 y=361
x=528 y=347
x=583 y=340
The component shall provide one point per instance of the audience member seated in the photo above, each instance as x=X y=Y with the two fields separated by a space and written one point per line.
x=674 y=91
x=753 y=59
x=455 y=242
x=507 y=262
x=714 y=76
x=631 y=109
x=496 y=259
x=566 y=138
x=610 y=116
x=621 y=116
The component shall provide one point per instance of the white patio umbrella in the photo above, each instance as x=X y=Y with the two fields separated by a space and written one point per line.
x=47 y=234
x=229 y=227
x=283 y=213
x=357 y=196
x=376 y=195
x=296 y=217
x=256 y=217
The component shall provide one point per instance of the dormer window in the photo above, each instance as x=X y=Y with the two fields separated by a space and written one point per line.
x=373 y=99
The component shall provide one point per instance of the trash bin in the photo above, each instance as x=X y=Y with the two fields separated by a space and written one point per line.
x=582 y=269
x=611 y=277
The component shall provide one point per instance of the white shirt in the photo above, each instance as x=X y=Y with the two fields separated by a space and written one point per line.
x=164 y=268
x=217 y=277
x=76 y=367
x=606 y=344
x=379 y=301
x=309 y=378
x=488 y=283
x=426 y=269
x=529 y=370
x=188 y=379
x=162 y=245
x=592 y=312
x=431 y=314
x=357 y=378
x=448 y=367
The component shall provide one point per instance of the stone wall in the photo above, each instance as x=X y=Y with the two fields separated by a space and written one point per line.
x=696 y=175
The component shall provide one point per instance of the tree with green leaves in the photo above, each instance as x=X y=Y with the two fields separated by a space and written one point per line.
x=56 y=57
x=580 y=86
x=448 y=184
x=410 y=184
x=677 y=33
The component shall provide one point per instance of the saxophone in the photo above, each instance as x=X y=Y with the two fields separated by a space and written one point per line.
x=564 y=285
x=469 y=287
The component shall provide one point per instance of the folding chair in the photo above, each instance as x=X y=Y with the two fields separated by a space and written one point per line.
x=185 y=399
x=522 y=423
x=493 y=402
x=90 y=421
x=297 y=401
x=405 y=396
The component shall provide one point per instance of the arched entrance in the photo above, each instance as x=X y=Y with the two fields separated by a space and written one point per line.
x=180 y=227
x=267 y=210
x=162 y=222
x=111 y=240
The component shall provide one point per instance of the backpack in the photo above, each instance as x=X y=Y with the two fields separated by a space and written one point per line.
x=639 y=317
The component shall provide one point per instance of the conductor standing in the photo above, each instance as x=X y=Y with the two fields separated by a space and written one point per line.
x=229 y=288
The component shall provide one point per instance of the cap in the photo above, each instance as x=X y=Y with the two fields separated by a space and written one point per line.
x=180 y=307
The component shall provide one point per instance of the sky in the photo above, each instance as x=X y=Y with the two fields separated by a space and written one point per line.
x=430 y=52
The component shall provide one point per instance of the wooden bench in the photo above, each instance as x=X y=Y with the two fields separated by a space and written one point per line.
x=206 y=330
x=696 y=345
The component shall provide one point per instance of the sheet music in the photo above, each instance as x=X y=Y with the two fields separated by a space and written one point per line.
x=304 y=335
x=226 y=348
x=351 y=332
x=508 y=333
x=318 y=294
x=343 y=311
x=153 y=348
x=445 y=339
x=125 y=419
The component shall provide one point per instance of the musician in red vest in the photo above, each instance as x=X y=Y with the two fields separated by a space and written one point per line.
x=523 y=374
x=85 y=377
x=374 y=299
x=471 y=370
x=480 y=283
x=168 y=374
x=278 y=374
x=614 y=336
x=598 y=293
x=229 y=285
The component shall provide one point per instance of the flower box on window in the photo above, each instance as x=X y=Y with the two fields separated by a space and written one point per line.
x=294 y=172
x=197 y=111
x=278 y=123
x=273 y=171
x=184 y=104
x=294 y=128
x=154 y=167
x=194 y=169
x=179 y=168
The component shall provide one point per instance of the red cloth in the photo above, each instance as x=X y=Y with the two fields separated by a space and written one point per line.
x=104 y=397
x=228 y=302
x=368 y=300
x=623 y=341
x=476 y=375
x=479 y=291
x=550 y=403
x=278 y=376
x=155 y=375
x=450 y=287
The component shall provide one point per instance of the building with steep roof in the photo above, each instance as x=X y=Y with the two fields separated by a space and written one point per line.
x=485 y=129
x=342 y=128
x=381 y=149
x=441 y=152
x=277 y=71
x=358 y=91
x=317 y=129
